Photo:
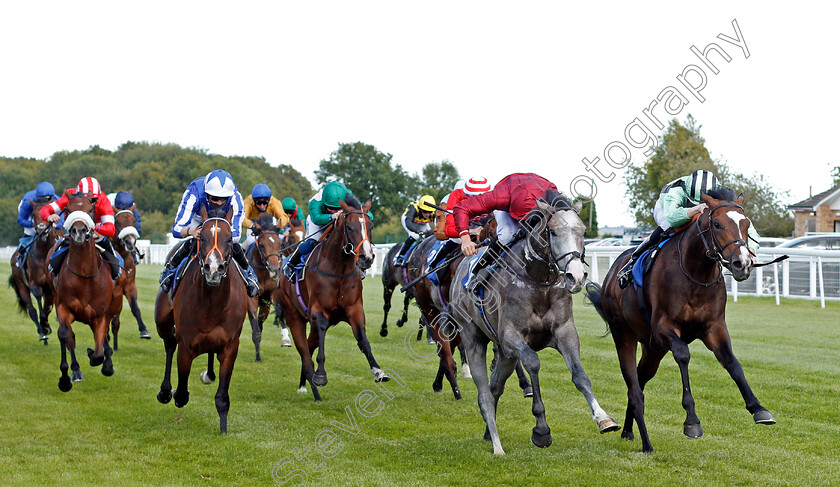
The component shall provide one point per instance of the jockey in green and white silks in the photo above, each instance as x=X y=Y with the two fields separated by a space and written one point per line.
x=679 y=202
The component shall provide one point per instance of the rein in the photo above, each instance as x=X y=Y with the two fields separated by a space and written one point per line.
x=347 y=247
x=715 y=253
x=551 y=261
x=264 y=258
x=202 y=258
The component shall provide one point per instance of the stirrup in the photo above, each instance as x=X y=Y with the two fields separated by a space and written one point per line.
x=166 y=283
x=479 y=280
x=625 y=274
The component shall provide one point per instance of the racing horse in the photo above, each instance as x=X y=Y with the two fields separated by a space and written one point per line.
x=205 y=315
x=684 y=299
x=526 y=307
x=331 y=291
x=124 y=242
x=393 y=276
x=34 y=278
x=84 y=292
x=265 y=257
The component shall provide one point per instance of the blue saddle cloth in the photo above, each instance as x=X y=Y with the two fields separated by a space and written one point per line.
x=642 y=265
x=472 y=262
x=179 y=273
x=432 y=254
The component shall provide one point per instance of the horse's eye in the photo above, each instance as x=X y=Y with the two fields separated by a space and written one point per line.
x=718 y=226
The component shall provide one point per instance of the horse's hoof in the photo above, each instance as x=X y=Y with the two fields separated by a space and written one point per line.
x=528 y=392
x=487 y=434
x=258 y=359
x=285 y=342
x=383 y=332
x=764 y=417
x=64 y=383
x=46 y=329
x=693 y=430
x=108 y=371
x=457 y=393
x=164 y=397
x=206 y=378
x=302 y=390
x=627 y=435
x=43 y=337
x=400 y=322
x=608 y=425
x=437 y=387
x=319 y=380
x=145 y=335
x=465 y=371
x=181 y=399
x=77 y=376
x=379 y=375
x=95 y=361
x=541 y=441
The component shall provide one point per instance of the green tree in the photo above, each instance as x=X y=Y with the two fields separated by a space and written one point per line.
x=762 y=203
x=591 y=226
x=835 y=175
x=370 y=175
x=438 y=179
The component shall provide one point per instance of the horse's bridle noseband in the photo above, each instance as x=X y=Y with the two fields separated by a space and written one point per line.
x=715 y=253
x=348 y=247
x=552 y=261
x=202 y=258
x=264 y=257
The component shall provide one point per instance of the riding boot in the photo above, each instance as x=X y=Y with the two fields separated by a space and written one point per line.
x=251 y=283
x=136 y=256
x=21 y=256
x=110 y=257
x=58 y=256
x=167 y=275
x=626 y=272
x=481 y=273
x=448 y=247
x=302 y=250
x=399 y=259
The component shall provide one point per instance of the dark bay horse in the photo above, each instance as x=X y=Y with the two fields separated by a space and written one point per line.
x=331 y=292
x=84 y=292
x=393 y=276
x=265 y=256
x=124 y=241
x=205 y=316
x=686 y=298
x=526 y=307
x=34 y=278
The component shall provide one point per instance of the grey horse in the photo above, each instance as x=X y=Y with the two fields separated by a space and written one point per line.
x=527 y=307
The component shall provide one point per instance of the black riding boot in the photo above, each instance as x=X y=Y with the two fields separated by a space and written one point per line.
x=110 y=256
x=448 y=247
x=399 y=260
x=21 y=256
x=480 y=272
x=58 y=258
x=626 y=273
x=167 y=275
x=251 y=283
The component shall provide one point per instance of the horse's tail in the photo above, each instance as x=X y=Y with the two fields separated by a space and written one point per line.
x=593 y=295
x=20 y=303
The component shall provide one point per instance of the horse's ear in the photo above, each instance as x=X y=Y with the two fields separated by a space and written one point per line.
x=578 y=206
x=31 y=203
x=711 y=202
x=366 y=206
x=229 y=214
x=203 y=213
x=133 y=207
x=543 y=206
x=740 y=199
x=345 y=206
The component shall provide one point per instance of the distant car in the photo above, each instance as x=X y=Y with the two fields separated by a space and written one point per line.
x=606 y=242
x=828 y=241
x=772 y=241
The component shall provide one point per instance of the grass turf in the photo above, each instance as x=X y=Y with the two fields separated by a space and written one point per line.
x=112 y=430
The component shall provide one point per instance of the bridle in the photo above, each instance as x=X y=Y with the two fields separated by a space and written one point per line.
x=202 y=258
x=348 y=247
x=715 y=252
x=263 y=257
x=550 y=260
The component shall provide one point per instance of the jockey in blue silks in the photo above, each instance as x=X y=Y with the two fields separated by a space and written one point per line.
x=43 y=193
x=216 y=193
x=124 y=201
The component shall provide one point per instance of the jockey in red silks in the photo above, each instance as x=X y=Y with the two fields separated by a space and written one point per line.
x=511 y=200
x=102 y=224
x=462 y=190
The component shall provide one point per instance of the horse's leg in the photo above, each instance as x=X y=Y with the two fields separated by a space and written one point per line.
x=541 y=434
x=42 y=316
x=76 y=375
x=625 y=347
x=49 y=300
x=356 y=318
x=476 y=348
x=130 y=292
x=256 y=331
x=100 y=329
x=165 y=393
x=320 y=324
x=465 y=365
x=447 y=366
x=404 y=318
x=115 y=328
x=182 y=393
x=264 y=309
x=108 y=365
x=64 y=382
x=305 y=346
x=568 y=344
x=527 y=390
x=648 y=365
x=226 y=361
x=164 y=319
x=387 y=291
x=208 y=376
x=26 y=299
x=679 y=349
x=718 y=341
x=503 y=370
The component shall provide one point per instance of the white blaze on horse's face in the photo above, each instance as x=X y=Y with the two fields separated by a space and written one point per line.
x=367 y=248
x=569 y=230
x=271 y=239
x=743 y=254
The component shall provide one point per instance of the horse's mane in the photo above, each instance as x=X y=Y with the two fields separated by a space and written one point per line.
x=555 y=199
x=722 y=193
x=295 y=222
x=353 y=202
x=265 y=221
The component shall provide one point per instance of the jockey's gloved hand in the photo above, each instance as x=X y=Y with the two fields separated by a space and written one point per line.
x=53 y=218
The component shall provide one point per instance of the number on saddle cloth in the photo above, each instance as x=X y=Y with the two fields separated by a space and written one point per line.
x=431 y=257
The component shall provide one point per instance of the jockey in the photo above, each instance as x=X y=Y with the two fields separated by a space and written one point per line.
x=292 y=209
x=510 y=201
x=679 y=202
x=216 y=193
x=43 y=193
x=463 y=190
x=124 y=201
x=258 y=202
x=324 y=207
x=415 y=220
x=103 y=219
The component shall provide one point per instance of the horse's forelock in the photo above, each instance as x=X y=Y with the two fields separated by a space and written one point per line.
x=216 y=212
x=353 y=202
x=722 y=193
x=265 y=221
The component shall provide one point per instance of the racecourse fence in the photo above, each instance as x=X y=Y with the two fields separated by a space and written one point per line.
x=807 y=274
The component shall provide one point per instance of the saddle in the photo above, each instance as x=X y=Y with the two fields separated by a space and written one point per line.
x=645 y=263
x=299 y=275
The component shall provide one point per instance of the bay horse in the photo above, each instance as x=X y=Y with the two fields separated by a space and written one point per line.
x=34 y=278
x=331 y=292
x=526 y=307
x=686 y=299
x=265 y=257
x=393 y=276
x=124 y=242
x=84 y=292
x=205 y=316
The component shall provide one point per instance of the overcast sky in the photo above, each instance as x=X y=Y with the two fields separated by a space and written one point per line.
x=493 y=87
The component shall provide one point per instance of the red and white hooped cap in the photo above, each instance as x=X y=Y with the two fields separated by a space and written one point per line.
x=476 y=185
x=89 y=186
